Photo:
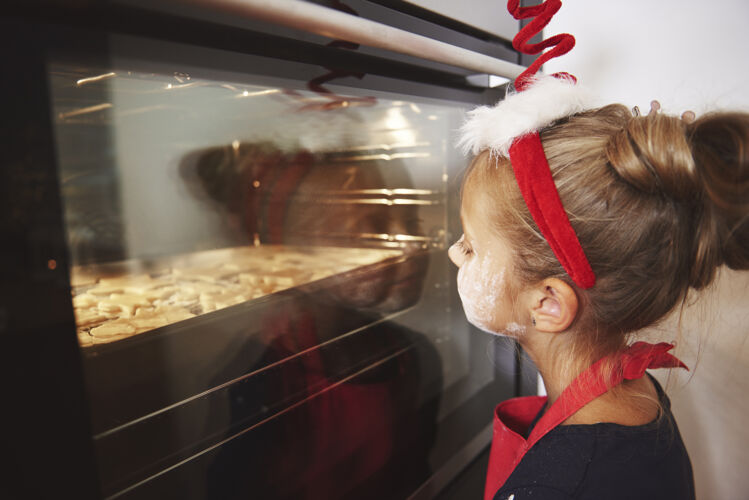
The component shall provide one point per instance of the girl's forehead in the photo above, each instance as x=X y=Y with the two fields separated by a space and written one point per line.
x=474 y=218
x=478 y=213
x=473 y=205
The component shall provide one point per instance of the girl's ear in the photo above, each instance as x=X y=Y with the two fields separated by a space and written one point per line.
x=554 y=306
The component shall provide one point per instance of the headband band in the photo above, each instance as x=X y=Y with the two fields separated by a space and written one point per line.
x=533 y=176
x=511 y=129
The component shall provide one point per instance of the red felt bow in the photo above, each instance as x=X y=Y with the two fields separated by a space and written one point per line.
x=629 y=364
x=640 y=356
x=527 y=154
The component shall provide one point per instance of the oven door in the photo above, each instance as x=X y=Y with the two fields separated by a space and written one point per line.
x=249 y=237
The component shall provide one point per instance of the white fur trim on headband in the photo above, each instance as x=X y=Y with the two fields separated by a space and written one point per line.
x=545 y=100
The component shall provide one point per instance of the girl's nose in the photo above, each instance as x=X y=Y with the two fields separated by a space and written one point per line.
x=456 y=255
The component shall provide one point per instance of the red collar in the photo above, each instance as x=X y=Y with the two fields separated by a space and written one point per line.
x=513 y=417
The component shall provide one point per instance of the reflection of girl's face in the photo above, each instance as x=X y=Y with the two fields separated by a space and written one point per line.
x=317 y=218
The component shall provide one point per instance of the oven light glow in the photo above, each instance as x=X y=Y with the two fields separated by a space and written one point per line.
x=83 y=111
x=395 y=120
x=384 y=192
x=247 y=93
x=171 y=86
x=384 y=157
x=376 y=201
x=404 y=135
x=386 y=147
x=90 y=79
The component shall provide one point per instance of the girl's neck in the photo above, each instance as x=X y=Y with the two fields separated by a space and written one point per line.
x=632 y=403
x=554 y=362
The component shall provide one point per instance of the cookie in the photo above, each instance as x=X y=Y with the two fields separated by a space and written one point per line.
x=88 y=317
x=84 y=300
x=113 y=328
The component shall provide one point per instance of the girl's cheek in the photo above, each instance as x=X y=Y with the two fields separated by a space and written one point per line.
x=480 y=289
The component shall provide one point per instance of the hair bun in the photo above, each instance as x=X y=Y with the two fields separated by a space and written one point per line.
x=703 y=166
x=652 y=154
x=720 y=146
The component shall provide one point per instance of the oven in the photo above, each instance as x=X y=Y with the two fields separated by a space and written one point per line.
x=224 y=268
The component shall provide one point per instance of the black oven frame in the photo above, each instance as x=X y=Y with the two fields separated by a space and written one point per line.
x=46 y=417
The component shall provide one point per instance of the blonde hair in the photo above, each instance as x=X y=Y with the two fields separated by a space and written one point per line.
x=658 y=205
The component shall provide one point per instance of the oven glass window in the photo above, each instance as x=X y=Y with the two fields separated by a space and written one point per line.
x=186 y=196
x=260 y=283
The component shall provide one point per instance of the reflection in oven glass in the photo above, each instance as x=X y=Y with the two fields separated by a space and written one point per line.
x=356 y=418
x=266 y=260
x=323 y=200
x=306 y=217
x=325 y=191
x=336 y=415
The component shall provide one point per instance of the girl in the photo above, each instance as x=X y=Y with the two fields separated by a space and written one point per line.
x=581 y=227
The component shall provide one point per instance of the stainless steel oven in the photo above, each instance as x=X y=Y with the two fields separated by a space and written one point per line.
x=224 y=259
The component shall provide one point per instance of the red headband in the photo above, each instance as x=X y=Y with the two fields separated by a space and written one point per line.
x=510 y=129
x=533 y=175
x=527 y=155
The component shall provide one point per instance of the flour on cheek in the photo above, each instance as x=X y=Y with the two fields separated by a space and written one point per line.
x=481 y=289
x=514 y=330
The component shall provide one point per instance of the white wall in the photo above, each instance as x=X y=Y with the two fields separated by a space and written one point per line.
x=683 y=53
x=688 y=55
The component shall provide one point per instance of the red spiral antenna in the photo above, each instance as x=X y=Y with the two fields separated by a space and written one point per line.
x=542 y=14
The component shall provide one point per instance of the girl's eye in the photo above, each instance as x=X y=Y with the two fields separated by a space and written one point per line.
x=463 y=247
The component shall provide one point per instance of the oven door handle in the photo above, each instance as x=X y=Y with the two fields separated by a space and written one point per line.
x=331 y=23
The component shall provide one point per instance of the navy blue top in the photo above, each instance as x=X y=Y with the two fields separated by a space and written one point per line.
x=606 y=461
